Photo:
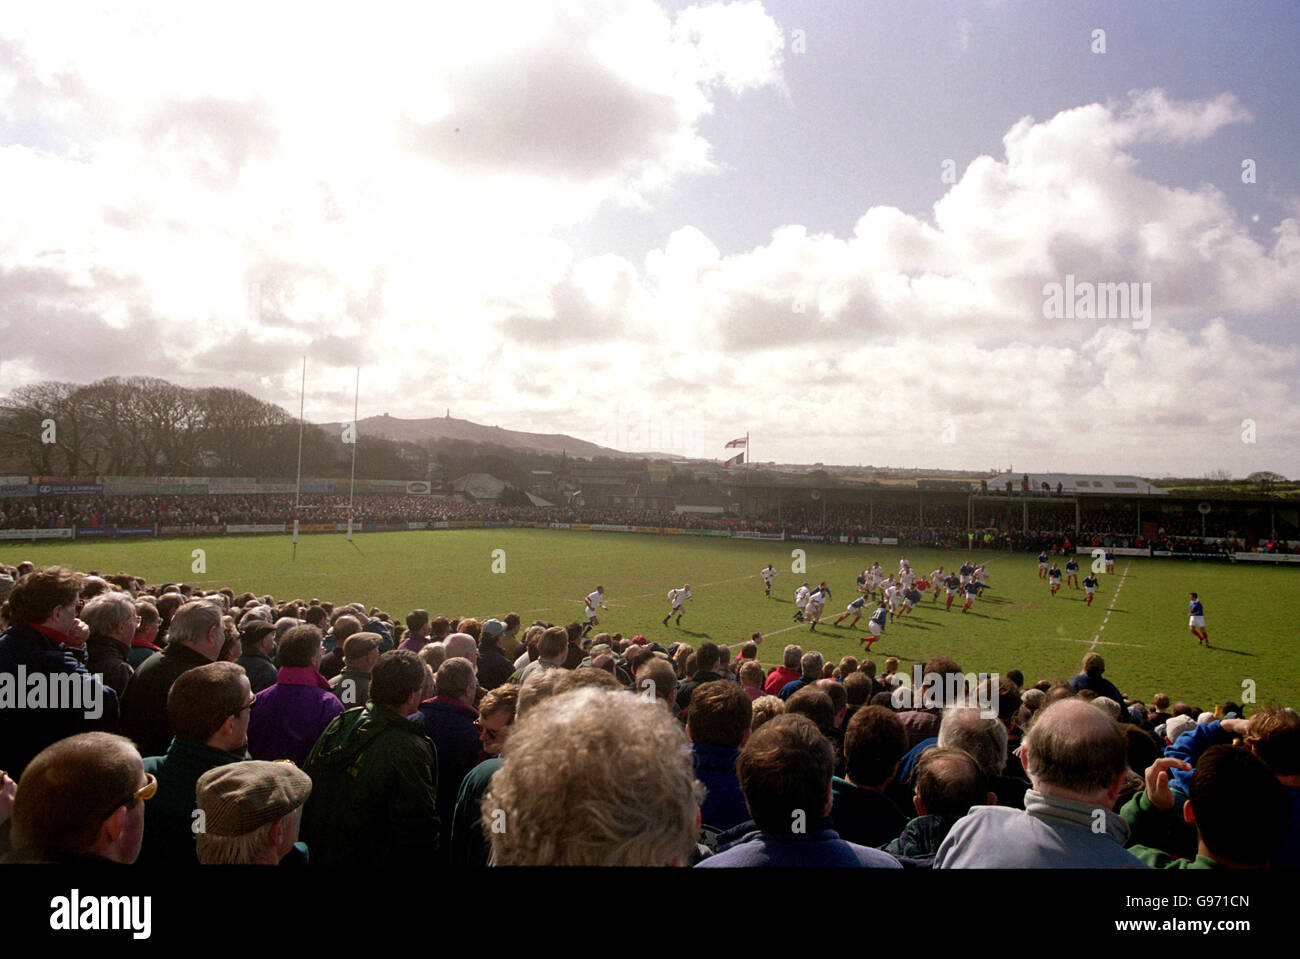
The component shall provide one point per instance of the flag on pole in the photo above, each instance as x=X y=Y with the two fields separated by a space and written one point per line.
x=737 y=443
x=735 y=460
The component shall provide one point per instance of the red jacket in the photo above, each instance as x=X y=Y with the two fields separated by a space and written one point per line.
x=778 y=678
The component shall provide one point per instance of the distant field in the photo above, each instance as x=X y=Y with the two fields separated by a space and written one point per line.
x=1252 y=624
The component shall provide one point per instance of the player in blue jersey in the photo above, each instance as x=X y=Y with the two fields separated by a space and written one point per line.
x=1072 y=573
x=1196 y=620
x=876 y=626
x=967 y=571
x=1110 y=560
x=854 y=609
x=1054 y=578
x=906 y=602
x=972 y=591
x=953 y=586
x=1042 y=565
x=1089 y=587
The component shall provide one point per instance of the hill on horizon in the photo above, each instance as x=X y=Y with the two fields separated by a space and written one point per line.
x=450 y=428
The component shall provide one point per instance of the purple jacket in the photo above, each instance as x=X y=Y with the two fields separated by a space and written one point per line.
x=290 y=716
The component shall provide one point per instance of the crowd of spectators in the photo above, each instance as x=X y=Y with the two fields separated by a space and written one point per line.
x=466 y=741
x=939 y=525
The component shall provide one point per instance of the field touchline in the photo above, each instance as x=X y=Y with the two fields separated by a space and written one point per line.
x=1115 y=596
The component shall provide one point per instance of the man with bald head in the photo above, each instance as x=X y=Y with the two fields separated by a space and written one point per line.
x=1075 y=756
x=465 y=646
x=81 y=801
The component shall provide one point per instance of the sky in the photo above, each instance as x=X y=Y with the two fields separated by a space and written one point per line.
x=962 y=235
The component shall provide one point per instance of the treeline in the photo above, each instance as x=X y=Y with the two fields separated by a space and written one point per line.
x=144 y=426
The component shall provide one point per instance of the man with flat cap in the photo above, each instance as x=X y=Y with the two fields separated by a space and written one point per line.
x=360 y=653
x=250 y=814
x=258 y=637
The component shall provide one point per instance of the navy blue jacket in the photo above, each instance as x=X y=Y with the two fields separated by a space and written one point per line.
x=25 y=654
x=724 y=804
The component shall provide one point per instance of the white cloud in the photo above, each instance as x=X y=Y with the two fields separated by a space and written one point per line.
x=207 y=197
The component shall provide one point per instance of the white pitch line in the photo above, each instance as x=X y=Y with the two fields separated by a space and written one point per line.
x=1095 y=643
x=1118 y=586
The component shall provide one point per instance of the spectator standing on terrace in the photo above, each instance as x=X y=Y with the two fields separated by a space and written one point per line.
x=252 y=811
x=949 y=782
x=751 y=679
x=373 y=801
x=208 y=708
x=418 y=627
x=143 y=643
x=874 y=744
x=787 y=672
x=291 y=715
x=718 y=727
x=501 y=707
x=1239 y=811
x=593 y=778
x=45 y=641
x=1076 y=760
x=195 y=638
x=785 y=773
x=81 y=801
x=707 y=658
x=810 y=666
x=360 y=653
x=257 y=638
x=494 y=668
x=452 y=724
x=552 y=653
x=345 y=625
x=1091 y=678
x=112 y=620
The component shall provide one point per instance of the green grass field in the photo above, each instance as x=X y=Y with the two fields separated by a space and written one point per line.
x=1138 y=621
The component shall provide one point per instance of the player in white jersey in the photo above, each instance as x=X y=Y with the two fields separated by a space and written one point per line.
x=873 y=581
x=800 y=602
x=936 y=580
x=595 y=600
x=675 y=599
x=893 y=596
x=768 y=575
x=816 y=603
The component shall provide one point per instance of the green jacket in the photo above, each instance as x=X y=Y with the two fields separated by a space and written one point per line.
x=169 y=818
x=374 y=788
x=1157 y=859
x=1156 y=829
